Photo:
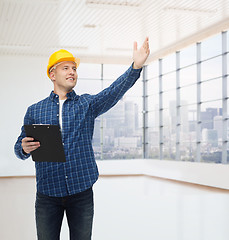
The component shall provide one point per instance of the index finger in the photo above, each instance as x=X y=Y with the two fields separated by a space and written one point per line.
x=27 y=139
x=146 y=42
x=135 y=46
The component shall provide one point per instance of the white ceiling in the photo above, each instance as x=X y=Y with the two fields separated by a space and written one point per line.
x=103 y=31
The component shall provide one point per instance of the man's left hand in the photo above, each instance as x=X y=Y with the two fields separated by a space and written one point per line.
x=140 y=55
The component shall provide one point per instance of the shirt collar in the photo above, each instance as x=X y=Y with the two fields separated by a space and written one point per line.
x=71 y=95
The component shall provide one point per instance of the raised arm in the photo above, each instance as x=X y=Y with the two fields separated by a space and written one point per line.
x=106 y=99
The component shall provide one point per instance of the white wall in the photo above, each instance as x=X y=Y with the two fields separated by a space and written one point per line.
x=23 y=82
x=207 y=174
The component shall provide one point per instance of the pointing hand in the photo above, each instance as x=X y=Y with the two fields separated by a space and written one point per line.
x=140 y=55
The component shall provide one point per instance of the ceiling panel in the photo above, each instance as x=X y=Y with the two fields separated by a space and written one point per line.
x=103 y=31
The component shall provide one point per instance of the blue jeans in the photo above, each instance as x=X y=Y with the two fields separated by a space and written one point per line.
x=79 y=210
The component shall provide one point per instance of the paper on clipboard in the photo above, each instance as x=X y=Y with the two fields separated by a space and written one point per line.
x=51 y=147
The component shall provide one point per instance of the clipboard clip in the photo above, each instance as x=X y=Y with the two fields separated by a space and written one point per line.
x=34 y=125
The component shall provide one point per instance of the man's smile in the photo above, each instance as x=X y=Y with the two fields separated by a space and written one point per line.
x=71 y=79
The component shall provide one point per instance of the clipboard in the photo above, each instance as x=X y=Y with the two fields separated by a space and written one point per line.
x=51 y=147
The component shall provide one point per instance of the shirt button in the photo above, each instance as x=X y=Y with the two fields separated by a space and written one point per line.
x=66 y=177
x=57 y=115
x=57 y=103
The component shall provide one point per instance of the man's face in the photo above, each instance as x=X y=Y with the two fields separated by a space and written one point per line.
x=64 y=76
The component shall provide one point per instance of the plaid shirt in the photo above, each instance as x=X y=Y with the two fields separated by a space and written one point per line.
x=79 y=172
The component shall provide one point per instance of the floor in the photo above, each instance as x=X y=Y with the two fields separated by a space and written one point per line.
x=127 y=208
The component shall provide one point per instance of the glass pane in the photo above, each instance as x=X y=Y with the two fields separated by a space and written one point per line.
x=111 y=71
x=188 y=75
x=153 y=103
x=186 y=135
x=169 y=146
x=188 y=56
x=188 y=149
x=211 y=90
x=122 y=132
x=188 y=132
x=153 y=70
x=218 y=126
x=169 y=63
x=210 y=117
x=211 y=150
x=188 y=95
x=154 y=137
x=89 y=86
x=140 y=122
x=153 y=119
x=87 y=70
x=168 y=97
x=188 y=118
x=153 y=86
x=136 y=103
x=214 y=104
x=169 y=81
x=211 y=68
x=211 y=47
x=210 y=112
x=168 y=116
x=154 y=143
x=184 y=118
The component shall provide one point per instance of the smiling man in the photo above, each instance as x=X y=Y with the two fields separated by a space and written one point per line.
x=66 y=187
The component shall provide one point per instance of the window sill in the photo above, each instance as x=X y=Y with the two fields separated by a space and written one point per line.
x=206 y=174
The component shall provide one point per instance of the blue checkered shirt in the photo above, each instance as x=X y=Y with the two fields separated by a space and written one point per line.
x=79 y=172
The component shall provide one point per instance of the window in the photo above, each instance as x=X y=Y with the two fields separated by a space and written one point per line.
x=121 y=126
x=190 y=106
x=211 y=90
x=188 y=75
x=188 y=94
x=187 y=108
x=169 y=63
x=211 y=47
x=188 y=56
x=153 y=70
x=211 y=68
x=89 y=71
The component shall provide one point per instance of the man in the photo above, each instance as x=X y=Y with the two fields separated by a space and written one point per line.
x=67 y=186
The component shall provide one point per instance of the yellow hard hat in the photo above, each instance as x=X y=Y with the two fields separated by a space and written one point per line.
x=61 y=56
